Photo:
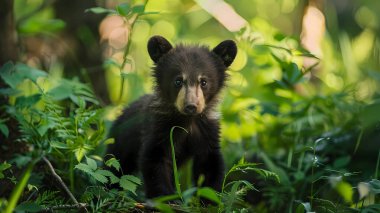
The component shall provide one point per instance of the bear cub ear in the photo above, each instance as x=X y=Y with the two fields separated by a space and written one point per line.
x=157 y=47
x=226 y=50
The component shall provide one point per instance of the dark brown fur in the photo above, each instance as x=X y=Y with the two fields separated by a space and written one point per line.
x=142 y=132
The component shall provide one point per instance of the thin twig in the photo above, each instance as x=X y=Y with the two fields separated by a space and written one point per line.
x=65 y=206
x=60 y=180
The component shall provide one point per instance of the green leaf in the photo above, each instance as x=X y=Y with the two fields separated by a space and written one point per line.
x=61 y=92
x=29 y=207
x=84 y=167
x=27 y=101
x=374 y=208
x=134 y=179
x=282 y=175
x=99 y=10
x=374 y=186
x=4 y=166
x=139 y=9
x=79 y=153
x=302 y=207
x=6 y=73
x=30 y=73
x=113 y=163
x=292 y=73
x=91 y=163
x=40 y=25
x=123 y=9
x=99 y=177
x=15 y=74
x=210 y=194
x=127 y=184
x=114 y=179
x=4 y=129
x=342 y=162
x=58 y=145
x=163 y=207
x=109 y=174
x=9 y=91
x=109 y=141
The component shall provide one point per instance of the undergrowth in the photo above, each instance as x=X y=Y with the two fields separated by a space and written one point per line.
x=287 y=151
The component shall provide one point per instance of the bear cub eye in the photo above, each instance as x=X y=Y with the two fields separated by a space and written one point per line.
x=203 y=83
x=178 y=82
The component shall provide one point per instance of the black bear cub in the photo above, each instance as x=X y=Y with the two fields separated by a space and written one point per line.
x=188 y=80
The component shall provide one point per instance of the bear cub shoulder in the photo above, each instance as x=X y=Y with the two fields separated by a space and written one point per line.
x=188 y=80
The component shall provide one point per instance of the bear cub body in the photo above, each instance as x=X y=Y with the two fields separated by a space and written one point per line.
x=188 y=80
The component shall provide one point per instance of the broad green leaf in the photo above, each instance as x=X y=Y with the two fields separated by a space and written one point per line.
x=30 y=73
x=210 y=194
x=7 y=73
x=292 y=73
x=61 y=92
x=91 y=163
x=345 y=190
x=9 y=91
x=113 y=163
x=4 y=129
x=139 y=9
x=374 y=186
x=27 y=101
x=15 y=74
x=99 y=10
x=123 y=9
x=188 y=194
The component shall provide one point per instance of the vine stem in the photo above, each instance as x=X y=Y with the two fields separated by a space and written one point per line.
x=131 y=22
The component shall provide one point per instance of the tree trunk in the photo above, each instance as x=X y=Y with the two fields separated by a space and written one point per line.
x=82 y=35
x=8 y=41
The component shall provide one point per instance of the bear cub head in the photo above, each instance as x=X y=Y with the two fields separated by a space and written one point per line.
x=189 y=77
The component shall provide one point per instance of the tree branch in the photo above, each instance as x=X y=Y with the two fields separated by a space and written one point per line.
x=65 y=206
x=60 y=180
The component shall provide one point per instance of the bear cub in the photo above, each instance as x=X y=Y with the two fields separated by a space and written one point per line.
x=188 y=80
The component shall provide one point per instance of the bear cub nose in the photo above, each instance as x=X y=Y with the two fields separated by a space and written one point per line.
x=190 y=109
